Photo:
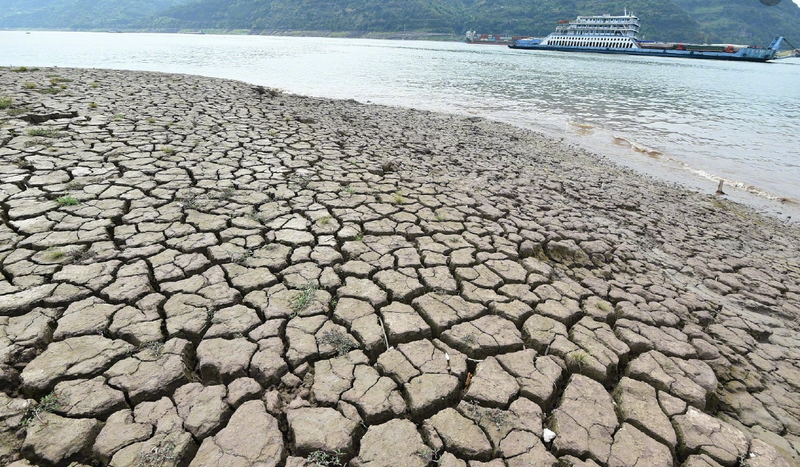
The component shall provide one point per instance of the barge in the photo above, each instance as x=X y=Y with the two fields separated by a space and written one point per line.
x=620 y=35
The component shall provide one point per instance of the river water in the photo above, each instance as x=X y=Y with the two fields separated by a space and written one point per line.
x=681 y=120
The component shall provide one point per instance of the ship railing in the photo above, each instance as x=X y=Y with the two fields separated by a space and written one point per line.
x=583 y=21
x=614 y=27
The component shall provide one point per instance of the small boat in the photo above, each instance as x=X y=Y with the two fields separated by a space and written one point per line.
x=619 y=35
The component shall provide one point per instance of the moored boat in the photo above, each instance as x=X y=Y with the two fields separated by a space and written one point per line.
x=619 y=35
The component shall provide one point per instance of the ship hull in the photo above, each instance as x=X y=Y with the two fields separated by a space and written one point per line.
x=650 y=53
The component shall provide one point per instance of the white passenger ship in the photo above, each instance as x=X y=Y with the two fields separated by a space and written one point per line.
x=620 y=32
x=620 y=35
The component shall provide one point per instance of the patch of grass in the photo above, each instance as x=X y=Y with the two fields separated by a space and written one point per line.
x=37 y=142
x=498 y=417
x=162 y=455
x=349 y=190
x=168 y=150
x=94 y=85
x=304 y=298
x=155 y=348
x=325 y=459
x=44 y=132
x=226 y=193
x=57 y=79
x=338 y=340
x=429 y=456
x=240 y=258
x=67 y=200
x=29 y=85
x=54 y=253
x=119 y=117
x=602 y=306
x=18 y=111
x=49 y=403
x=50 y=90
x=23 y=69
x=151 y=120
x=440 y=217
x=469 y=339
x=6 y=103
x=192 y=201
x=398 y=198
x=359 y=237
x=92 y=105
x=577 y=359
x=325 y=220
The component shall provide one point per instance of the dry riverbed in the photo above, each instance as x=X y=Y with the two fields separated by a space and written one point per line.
x=203 y=272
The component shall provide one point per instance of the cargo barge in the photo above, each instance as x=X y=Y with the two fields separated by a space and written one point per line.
x=619 y=35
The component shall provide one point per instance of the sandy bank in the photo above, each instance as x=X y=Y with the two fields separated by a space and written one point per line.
x=204 y=272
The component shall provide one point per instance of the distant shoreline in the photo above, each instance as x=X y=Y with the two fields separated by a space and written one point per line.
x=422 y=36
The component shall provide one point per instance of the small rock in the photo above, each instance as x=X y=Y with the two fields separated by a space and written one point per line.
x=203 y=409
x=460 y=435
x=320 y=429
x=242 y=390
x=585 y=420
x=703 y=434
x=385 y=445
x=56 y=440
x=223 y=360
x=252 y=437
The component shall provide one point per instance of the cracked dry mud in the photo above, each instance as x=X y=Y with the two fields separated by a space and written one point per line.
x=200 y=272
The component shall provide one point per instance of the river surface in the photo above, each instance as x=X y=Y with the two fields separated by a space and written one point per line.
x=689 y=121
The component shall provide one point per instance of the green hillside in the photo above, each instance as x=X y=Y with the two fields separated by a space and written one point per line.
x=317 y=15
x=442 y=16
x=746 y=21
x=684 y=20
x=79 y=14
x=740 y=21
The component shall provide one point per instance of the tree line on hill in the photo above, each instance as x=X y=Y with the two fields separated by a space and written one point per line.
x=739 y=21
